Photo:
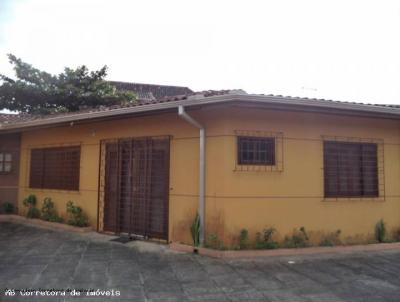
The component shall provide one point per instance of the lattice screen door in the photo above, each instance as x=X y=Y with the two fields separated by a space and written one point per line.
x=136 y=185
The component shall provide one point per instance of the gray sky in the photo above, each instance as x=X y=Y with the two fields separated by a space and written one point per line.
x=344 y=50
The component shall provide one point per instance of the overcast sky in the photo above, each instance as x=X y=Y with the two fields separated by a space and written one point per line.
x=344 y=50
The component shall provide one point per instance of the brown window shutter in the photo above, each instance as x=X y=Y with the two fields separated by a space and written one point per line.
x=36 y=169
x=350 y=169
x=55 y=168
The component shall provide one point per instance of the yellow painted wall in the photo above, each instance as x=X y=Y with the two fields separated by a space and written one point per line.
x=295 y=197
x=183 y=172
x=237 y=199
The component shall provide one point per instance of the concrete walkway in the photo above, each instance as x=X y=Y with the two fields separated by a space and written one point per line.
x=41 y=259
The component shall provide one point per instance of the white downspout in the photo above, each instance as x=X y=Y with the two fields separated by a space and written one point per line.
x=202 y=146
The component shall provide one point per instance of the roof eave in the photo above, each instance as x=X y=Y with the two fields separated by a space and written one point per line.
x=277 y=100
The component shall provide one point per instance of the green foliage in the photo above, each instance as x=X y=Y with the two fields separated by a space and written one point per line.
x=380 y=231
x=36 y=91
x=47 y=208
x=331 y=239
x=30 y=201
x=214 y=242
x=8 y=207
x=55 y=218
x=33 y=213
x=49 y=212
x=244 y=239
x=76 y=216
x=195 y=230
x=299 y=238
x=265 y=241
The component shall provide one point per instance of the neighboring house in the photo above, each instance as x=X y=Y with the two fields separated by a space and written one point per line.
x=269 y=161
x=9 y=163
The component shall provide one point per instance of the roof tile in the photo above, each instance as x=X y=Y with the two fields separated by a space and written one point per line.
x=153 y=94
x=156 y=91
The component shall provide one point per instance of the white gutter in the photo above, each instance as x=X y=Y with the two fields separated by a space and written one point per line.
x=202 y=147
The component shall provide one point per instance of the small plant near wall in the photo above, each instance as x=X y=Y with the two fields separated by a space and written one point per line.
x=33 y=213
x=8 y=207
x=195 y=230
x=214 y=242
x=30 y=203
x=49 y=212
x=265 y=240
x=331 y=239
x=243 y=239
x=76 y=216
x=299 y=238
x=380 y=231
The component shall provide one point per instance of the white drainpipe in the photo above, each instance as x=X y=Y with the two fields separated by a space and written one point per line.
x=202 y=144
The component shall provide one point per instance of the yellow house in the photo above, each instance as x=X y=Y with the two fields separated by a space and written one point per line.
x=241 y=161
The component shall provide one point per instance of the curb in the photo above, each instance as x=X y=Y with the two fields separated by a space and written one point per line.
x=44 y=224
x=179 y=247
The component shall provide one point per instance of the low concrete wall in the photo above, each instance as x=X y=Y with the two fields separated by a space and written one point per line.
x=285 y=252
x=44 y=224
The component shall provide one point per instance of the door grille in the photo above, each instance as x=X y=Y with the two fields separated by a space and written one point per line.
x=134 y=186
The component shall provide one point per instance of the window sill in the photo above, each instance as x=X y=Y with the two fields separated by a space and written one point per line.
x=53 y=191
x=257 y=168
x=354 y=199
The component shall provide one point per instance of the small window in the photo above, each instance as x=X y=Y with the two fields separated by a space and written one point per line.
x=5 y=162
x=256 y=150
x=350 y=169
x=55 y=168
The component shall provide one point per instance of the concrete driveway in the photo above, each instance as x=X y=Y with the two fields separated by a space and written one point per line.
x=33 y=258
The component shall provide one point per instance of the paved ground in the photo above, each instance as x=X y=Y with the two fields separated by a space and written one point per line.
x=37 y=258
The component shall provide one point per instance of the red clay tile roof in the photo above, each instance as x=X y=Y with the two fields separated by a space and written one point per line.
x=333 y=101
x=147 y=93
x=150 y=91
x=8 y=118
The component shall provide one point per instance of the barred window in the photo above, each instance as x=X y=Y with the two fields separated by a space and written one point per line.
x=55 y=168
x=256 y=150
x=350 y=169
x=5 y=162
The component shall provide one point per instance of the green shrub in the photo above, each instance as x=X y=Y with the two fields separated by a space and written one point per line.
x=49 y=212
x=214 y=242
x=331 y=239
x=8 y=207
x=76 y=216
x=265 y=241
x=299 y=238
x=30 y=201
x=195 y=230
x=47 y=208
x=243 y=239
x=380 y=231
x=55 y=218
x=33 y=213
